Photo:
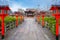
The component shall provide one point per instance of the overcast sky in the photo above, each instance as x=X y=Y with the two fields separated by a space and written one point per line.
x=15 y=4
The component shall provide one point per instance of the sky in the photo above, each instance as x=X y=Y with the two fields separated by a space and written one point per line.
x=18 y=4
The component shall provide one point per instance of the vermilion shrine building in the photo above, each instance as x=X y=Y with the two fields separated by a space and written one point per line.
x=30 y=12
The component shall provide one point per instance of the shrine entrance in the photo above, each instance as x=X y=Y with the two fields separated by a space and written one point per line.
x=30 y=13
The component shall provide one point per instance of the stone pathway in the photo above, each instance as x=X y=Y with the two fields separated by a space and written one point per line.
x=29 y=30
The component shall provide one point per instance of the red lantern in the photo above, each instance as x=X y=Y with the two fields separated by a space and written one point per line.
x=43 y=14
x=57 y=16
x=38 y=18
x=3 y=13
x=16 y=14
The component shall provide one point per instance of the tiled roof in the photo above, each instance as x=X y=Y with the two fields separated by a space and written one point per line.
x=54 y=7
x=4 y=7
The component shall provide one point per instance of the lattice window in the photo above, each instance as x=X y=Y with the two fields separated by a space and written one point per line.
x=5 y=11
x=54 y=11
x=0 y=11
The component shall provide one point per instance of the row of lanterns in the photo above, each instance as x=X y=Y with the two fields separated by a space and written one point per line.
x=57 y=16
x=3 y=13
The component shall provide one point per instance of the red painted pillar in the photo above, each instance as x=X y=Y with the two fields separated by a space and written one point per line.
x=16 y=21
x=57 y=25
x=3 y=28
x=2 y=23
x=21 y=18
x=42 y=20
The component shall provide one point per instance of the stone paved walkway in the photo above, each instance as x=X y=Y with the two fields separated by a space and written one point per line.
x=29 y=30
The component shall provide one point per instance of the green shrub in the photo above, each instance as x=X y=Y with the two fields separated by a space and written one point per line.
x=51 y=23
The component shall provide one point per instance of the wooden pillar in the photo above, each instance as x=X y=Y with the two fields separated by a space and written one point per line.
x=57 y=25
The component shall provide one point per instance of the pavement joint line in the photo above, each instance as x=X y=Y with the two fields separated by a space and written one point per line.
x=15 y=33
x=45 y=35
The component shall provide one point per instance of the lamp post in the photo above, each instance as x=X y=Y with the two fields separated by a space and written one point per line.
x=16 y=14
x=21 y=18
x=57 y=16
x=4 y=12
x=43 y=15
x=38 y=19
